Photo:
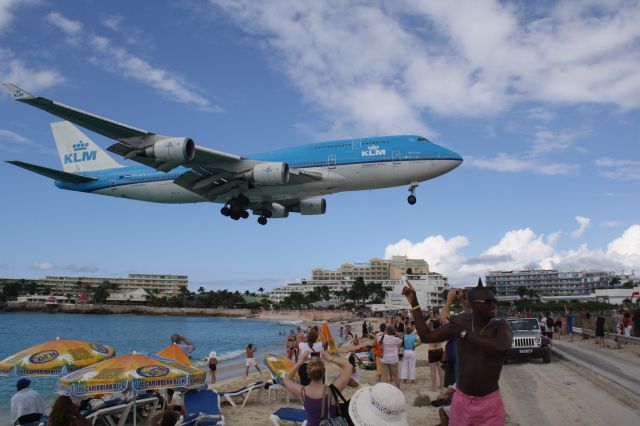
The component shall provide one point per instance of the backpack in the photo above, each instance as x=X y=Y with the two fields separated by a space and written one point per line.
x=377 y=348
x=549 y=323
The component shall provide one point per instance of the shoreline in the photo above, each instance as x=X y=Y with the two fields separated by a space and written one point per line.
x=280 y=315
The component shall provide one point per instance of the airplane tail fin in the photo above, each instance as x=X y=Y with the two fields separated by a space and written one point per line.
x=77 y=152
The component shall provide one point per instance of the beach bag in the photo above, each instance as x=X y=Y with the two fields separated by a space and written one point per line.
x=342 y=408
x=377 y=348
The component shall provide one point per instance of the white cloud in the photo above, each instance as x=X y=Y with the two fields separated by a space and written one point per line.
x=541 y=114
x=611 y=223
x=112 y=22
x=43 y=266
x=15 y=71
x=81 y=268
x=546 y=141
x=119 y=60
x=583 y=225
x=619 y=169
x=510 y=163
x=442 y=255
x=69 y=26
x=6 y=11
x=398 y=60
x=520 y=249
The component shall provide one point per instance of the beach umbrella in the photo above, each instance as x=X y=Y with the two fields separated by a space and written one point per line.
x=137 y=372
x=278 y=365
x=55 y=357
x=175 y=352
x=325 y=335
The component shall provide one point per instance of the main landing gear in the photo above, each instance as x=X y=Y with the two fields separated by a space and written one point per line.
x=411 y=199
x=236 y=208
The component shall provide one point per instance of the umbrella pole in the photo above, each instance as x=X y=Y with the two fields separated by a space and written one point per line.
x=135 y=403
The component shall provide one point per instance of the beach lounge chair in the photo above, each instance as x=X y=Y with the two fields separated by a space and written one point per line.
x=296 y=415
x=246 y=391
x=41 y=422
x=275 y=387
x=112 y=413
x=146 y=401
x=205 y=403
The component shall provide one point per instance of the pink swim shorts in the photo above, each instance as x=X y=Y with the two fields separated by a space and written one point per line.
x=469 y=410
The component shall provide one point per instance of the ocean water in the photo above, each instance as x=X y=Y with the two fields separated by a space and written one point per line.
x=127 y=333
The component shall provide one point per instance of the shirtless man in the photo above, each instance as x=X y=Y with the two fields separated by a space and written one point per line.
x=251 y=362
x=185 y=344
x=482 y=345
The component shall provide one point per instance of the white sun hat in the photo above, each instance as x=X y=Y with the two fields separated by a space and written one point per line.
x=212 y=354
x=380 y=405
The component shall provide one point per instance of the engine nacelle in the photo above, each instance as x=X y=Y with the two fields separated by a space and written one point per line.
x=278 y=211
x=270 y=174
x=313 y=206
x=172 y=150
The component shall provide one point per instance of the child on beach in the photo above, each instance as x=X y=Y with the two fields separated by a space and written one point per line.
x=213 y=365
x=251 y=362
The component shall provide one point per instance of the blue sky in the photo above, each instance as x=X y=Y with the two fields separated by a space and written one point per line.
x=540 y=99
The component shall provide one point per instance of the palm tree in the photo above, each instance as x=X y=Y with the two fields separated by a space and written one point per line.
x=261 y=290
x=522 y=291
x=615 y=282
x=200 y=290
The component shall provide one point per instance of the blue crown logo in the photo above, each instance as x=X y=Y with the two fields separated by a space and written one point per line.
x=80 y=146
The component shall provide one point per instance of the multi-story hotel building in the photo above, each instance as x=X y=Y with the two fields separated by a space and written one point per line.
x=550 y=282
x=375 y=270
x=429 y=288
x=158 y=285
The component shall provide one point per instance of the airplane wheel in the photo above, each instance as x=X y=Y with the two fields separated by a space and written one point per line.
x=262 y=220
x=226 y=211
x=235 y=216
x=412 y=199
x=244 y=214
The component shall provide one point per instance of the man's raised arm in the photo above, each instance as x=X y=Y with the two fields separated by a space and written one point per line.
x=424 y=331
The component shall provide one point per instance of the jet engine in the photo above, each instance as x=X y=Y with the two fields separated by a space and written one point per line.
x=313 y=206
x=172 y=150
x=270 y=174
x=278 y=211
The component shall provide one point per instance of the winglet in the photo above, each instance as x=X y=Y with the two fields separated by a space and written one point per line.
x=16 y=92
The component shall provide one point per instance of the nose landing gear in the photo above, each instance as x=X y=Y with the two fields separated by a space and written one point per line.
x=411 y=199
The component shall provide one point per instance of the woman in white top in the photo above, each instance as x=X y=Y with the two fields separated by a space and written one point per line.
x=313 y=346
x=389 y=362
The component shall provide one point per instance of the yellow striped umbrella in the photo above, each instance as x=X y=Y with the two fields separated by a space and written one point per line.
x=173 y=351
x=137 y=372
x=55 y=357
x=325 y=335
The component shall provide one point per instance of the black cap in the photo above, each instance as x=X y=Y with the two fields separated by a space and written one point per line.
x=23 y=383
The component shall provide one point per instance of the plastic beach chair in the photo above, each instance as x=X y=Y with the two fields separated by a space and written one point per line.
x=205 y=403
x=42 y=422
x=246 y=391
x=296 y=415
x=113 y=412
x=142 y=401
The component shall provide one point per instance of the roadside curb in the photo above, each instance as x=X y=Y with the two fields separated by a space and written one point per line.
x=564 y=356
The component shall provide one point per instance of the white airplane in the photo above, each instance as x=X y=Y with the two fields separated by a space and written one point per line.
x=271 y=184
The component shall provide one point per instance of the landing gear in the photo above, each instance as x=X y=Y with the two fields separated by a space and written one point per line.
x=236 y=208
x=262 y=220
x=411 y=199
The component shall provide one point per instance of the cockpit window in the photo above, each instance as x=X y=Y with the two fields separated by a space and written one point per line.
x=421 y=139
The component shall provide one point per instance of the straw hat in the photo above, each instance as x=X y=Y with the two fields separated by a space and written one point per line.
x=380 y=405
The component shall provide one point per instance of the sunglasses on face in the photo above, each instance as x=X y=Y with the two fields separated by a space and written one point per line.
x=491 y=301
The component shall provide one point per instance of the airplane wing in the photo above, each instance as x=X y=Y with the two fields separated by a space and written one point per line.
x=132 y=137
x=52 y=173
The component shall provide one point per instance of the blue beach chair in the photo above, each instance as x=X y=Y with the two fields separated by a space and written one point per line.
x=296 y=415
x=113 y=412
x=205 y=403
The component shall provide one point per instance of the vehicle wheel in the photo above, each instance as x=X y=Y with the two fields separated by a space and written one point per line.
x=412 y=199
x=546 y=356
x=226 y=211
x=244 y=214
x=262 y=220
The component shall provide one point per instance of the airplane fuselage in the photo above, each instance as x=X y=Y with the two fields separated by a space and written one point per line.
x=344 y=165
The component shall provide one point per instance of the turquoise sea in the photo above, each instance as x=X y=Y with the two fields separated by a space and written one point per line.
x=127 y=333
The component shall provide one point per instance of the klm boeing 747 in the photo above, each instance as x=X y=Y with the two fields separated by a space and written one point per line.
x=271 y=184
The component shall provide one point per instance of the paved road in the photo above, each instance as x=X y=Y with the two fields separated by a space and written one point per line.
x=560 y=393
